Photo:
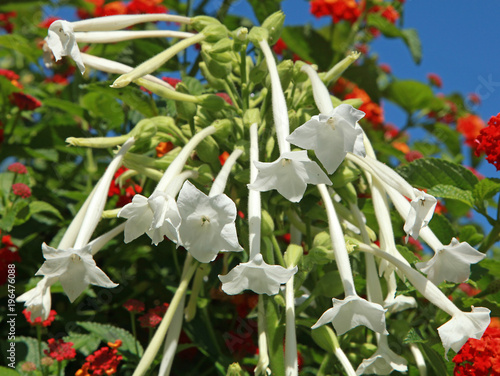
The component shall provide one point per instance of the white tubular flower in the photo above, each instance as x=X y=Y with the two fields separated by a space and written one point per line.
x=334 y=132
x=38 y=300
x=395 y=303
x=451 y=263
x=331 y=136
x=383 y=361
x=289 y=175
x=353 y=310
x=256 y=275
x=207 y=223
x=119 y=36
x=75 y=269
x=462 y=326
x=421 y=212
x=62 y=42
x=419 y=359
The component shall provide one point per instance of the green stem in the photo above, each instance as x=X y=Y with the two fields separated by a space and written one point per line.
x=153 y=347
x=39 y=340
x=275 y=333
x=277 y=251
x=134 y=332
x=243 y=72
x=59 y=368
x=324 y=365
x=491 y=239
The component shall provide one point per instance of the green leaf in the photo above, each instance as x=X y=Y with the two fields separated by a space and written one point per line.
x=14 y=216
x=428 y=172
x=30 y=353
x=20 y=44
x=434 y=360
x=407 y=254
x=66 y=106
x=263 y=8
x=412 y=40
x=41 y=206
x=450 y=191
x=485 y=189
x=50 y=155
x=470 y=234
x=309 y=44
x=330 y=285
x=109 y=333
x=104 y=107
x=84 y=343
x=4 y=371
x=413 y=337
x=410 y=95
x=447 y=135
x=442 y=228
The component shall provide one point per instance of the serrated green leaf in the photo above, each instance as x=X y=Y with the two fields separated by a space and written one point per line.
x=410 y=95
x=442 y=228
x=428 y=172
x=413 y=337
x=41 y=206
x=450 y=191
x=485 y=189
x=447 y=135
x=30 y=353
x=412 y=40
x=407 y=254
x=109 y=333
x=470 y=235
x=105 y=107
x=84 y=343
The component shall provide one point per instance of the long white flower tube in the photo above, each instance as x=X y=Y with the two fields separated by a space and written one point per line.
x=122 y=35
x=462 y=326
x=419 y=359
x=353 y=310
x=293 y=170
x=110 y=66
x=172 y=339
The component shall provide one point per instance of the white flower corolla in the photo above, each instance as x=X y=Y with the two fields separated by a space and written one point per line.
x=451 y=263
x=289 y=175
x=331 y=136
x=157 y=216
x=383 y=361
x=256 y=275
x=38 y=300
x=421 y=212
x=62 y=42
x=462 y=326
x=351 y=312
x=207 y=223
x=75 y=269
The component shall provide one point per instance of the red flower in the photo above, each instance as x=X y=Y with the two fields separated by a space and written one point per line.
x=57 y=79
x=386 y=68
x=388 y=12
x=125 y=192
x=103 y=361
x=279 y=47
x=149 y=320
x=435 y=80
x=134 y=306
x=223 y=157
x=10 y=75
x=163 y=148
x=171 y=81
x=47 y=22
x=159 y=310
x=225 y=97
x=60 y=350
x=468 y=289
x=470 y=126
x=480 y=357
x=478 y=175
x=8 y=255
x=145 y=6
x=5 y=21
x=21 y=190
x=487 y=141
x=24 y=101
x=474 y=98
x=17 y=168
x=38 y=320
x=413 y=155
x=338 y=9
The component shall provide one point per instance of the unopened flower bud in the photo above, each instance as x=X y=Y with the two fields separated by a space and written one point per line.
x=322 y=240
x=321 y=255
x=234 y=370
x=274 y=25
x=185 y=110
x=241 y=34
x=215 y=33
x=47 y=361
x=267 y=224
x=212 y=102
x=325 y=338
x=293 y=255
x=200 y=22
x=208 y=150
x=223 y=45
x=280 y=300
x=214 y=82
x=215 y=67
x=339 y=68
x=258 y=72
x=285 y=72
x=257 y=34
x=298 y=74
x=344 y=175
x=251 y=116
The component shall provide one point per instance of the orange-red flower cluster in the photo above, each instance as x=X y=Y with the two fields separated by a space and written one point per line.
x=163 y=148
x=487 y=141
x=373 y=112
x=480 y=357
x=386 y=11
x=103 y=361
x=339 y=10
x=470 y=126
x=24 y=101
x=8 y=255
x=153 y=317
x=60 y=350
x=125 y=192
x=119 y=7
x=21 y=190
x=5 y=21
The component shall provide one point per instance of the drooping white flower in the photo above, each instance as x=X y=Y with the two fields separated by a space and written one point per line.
x=75 y=269
x=61 y=40
x=289 y=175
x=421 y=212
x=383 y=361
x=256 y=275
x=207 y=223
x=351 y=312
x=38 y=300
x=462 y=326
x=451 y=263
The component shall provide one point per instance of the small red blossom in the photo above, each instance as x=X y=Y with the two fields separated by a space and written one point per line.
x=279 y=47
x=339 y=10
x=478 y=175
x=10 y=75
x=171 y=81
x=435 y=80
x=60 y=350
x=125 y=192
x=244 y=303
x=149 y=320
x=38 y=320
x=145 y=6
x=103 y=361
x=468 y=289
x=17 y=168
x=24 y=101
x=225 y=97
x=21 y=190
x=47 y=22
x=163 y=148
x=5 y=21
x=159 y=310
x=134 y=306
x=8 y=255
x=388 y=12
x=386 y=68
x=413 y=155
x=440 y=208
x=57 y=79
x=470 y=126
x=223 y=157
x=474 y=98
x=487 y=141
